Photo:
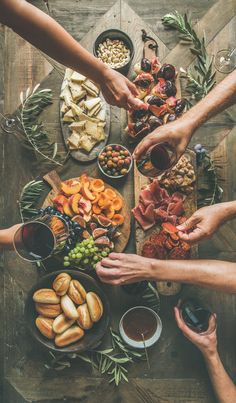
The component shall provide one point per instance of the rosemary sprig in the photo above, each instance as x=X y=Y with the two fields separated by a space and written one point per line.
x=32 y=104
x=112 y=361
x=201 y=76
x=28 y=199
x=151 y=297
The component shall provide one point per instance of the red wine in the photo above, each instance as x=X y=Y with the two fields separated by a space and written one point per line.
x=138 y=322
x=195 y=316
x=160 y=158
x=37 y=240
x=157 y=159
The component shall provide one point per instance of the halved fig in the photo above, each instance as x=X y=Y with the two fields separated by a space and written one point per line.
x=93 y=226
x=103 y=241
x=79 y=220
x=103 y=221
x=98 y=232
x=86 y=234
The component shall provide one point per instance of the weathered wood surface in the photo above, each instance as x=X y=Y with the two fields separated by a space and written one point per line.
x=173 y=378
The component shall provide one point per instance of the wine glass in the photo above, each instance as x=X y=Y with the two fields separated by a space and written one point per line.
x=8 y=123
x=225 y=60
x=41 y=238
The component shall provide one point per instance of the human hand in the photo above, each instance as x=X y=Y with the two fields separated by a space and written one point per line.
x=177 y=134
x=122 y=268
x=203 y=223
x=207 y=343
x=7 y=236
x=119 y=91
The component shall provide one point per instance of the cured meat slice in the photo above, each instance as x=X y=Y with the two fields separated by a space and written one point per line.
x=142 y=219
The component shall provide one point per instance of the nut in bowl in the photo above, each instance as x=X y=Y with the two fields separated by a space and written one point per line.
x=67 y=312
x=115 y=48
x=115 y=161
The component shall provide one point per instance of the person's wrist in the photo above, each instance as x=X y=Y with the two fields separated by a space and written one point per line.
x=209 y=353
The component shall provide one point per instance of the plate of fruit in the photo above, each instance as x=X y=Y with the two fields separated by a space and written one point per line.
x=85 y=116
x=97 y=215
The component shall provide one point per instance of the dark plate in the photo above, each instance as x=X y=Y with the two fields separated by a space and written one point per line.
x=82 y=155
x=92 y=336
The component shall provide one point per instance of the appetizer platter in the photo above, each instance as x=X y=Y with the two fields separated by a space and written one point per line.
x=160 y=205
x=67 y=311
x=97 y=214
x=84 y=116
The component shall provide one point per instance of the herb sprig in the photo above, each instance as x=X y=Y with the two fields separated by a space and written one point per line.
x=28 y=199
x=151 y=297
x=201 y=78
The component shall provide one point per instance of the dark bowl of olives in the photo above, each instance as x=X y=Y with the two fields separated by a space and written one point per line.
x=115 y=161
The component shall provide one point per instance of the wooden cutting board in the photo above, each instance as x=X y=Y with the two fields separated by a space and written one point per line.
x=53 y=179
x=190 y=205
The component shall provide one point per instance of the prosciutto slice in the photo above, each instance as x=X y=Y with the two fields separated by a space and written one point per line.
x=156 y=205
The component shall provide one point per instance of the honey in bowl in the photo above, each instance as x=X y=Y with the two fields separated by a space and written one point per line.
x=139 y=323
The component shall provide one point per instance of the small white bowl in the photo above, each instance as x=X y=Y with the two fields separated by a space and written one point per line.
x=148 y=342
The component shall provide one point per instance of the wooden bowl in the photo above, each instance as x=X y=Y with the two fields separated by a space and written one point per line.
x=92 y=337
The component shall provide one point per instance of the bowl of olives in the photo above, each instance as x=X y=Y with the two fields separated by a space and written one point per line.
x=115 y=161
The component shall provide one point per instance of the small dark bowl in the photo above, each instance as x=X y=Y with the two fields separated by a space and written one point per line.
x=116 y=34
x=112 y=176
x=92 y=337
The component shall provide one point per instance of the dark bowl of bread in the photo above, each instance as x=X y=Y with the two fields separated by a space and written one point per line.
x=67 y=311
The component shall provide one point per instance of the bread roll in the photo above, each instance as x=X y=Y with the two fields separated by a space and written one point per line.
x=48 y=310
x=45 y=326
x=69 y=308
x=84 y=319
x=77 y=292
x=95 y=306
x=71 y=335
x=46 y=296
x=61 y=283
x=62 y=323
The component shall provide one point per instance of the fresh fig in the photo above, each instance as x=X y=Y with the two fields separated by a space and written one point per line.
x=112 y=232
x=93 y=226
x=146 y=65
x=155 y=100
x=98 y=232
x=103 y=241
x=154 y=122
x=180 y=106
x=170 y=89
x=79 y=220
x=139 y=114
x=86 y=234
x=102 y=220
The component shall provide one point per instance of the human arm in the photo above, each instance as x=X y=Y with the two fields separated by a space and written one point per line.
x=46 y=34
x=205 y=221
x=223 y=386
x=121 y=268
x=6 y=237
x=179 y=132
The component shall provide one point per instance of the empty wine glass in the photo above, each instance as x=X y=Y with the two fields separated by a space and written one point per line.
x=225 y=60
x=8 y=123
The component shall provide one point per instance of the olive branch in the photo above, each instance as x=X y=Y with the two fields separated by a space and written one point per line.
x=200 y=78
x=28 y=199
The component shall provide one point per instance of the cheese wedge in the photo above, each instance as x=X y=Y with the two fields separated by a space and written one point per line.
x=77 y=77
x=95 y=110
x=64 y=107
x=90 y=87
x=78 y=126
x=87 y=143
x=68 y=74
x=91 y=128
x=91 y=103
x=68 y=117
x=102 y=114
x=77 y=111
x=74 y=140
x=77 y=91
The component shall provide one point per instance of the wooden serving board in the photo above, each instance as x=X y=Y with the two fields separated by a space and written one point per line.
x=53 y=179
x=190 y=205
x=82 y=155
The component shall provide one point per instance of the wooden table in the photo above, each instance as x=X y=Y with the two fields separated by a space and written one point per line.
x=177 y=372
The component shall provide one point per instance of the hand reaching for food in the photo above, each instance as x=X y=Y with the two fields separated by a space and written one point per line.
x=204 y=222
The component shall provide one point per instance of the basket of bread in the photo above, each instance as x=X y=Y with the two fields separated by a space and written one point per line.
x=67 y=311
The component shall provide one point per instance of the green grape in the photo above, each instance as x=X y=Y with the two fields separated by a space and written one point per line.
x=82 y=250
x=104 y=254
x=78 y=255
x=94 y=265
x=87 y=252
x=66 y=258
x=76 y=250
x=92 y=250
x=66 y=264
x=96 y=258
x=107 y=250
x=96 y=249
x=89 y=246
x=73 y=256
x=85 y=261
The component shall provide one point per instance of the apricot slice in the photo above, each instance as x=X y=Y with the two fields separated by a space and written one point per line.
x=70 y=187
x=74 y=203
x=86 y=192
x=84 y=179
x=118 y=219
x=67 y=209
x=96 y=209
x=97 y=185
x=111 y=194
x=109 y=213
x=103 y=200
x=96 y=197
x=117 y=203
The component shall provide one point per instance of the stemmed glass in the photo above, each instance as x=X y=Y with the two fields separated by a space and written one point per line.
x=9 y=123
x=225 y=60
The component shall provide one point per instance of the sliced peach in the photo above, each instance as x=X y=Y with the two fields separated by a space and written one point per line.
x=67 y=209
x=96 y=209
x=85 y=205
x=87 y=217
x=70 y=187
x=74 y=202
x=109 y=213
x=59 y=201
x=103 y=200
x=96 y=197
x=117 y=203
x=118 y=219
x=84 y=178
x=86 y=192
x=97 y=185
x=111 y=194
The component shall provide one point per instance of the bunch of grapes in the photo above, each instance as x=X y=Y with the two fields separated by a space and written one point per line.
x=86 y=254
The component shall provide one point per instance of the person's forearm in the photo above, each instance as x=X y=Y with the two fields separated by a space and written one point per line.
x=223 y=386
x=220 y=98
x=47 y=35
x=214 y=274
x=6 y=237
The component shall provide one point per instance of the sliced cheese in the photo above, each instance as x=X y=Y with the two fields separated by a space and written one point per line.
x=102 y=114
x=77 y=111
x=95 y=110
x=77 y=91
x=68 y=73
x=77 y=77
x=87 y=143
x=64 y=107
x=68 y=117
x=74 y=140
x=78 y=126
x=90 y=87
x=91 y=103
x=91 y=128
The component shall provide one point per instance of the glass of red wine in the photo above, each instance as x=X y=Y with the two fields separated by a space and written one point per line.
x=41 y=238
x=156 y=160
x=197 y=317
